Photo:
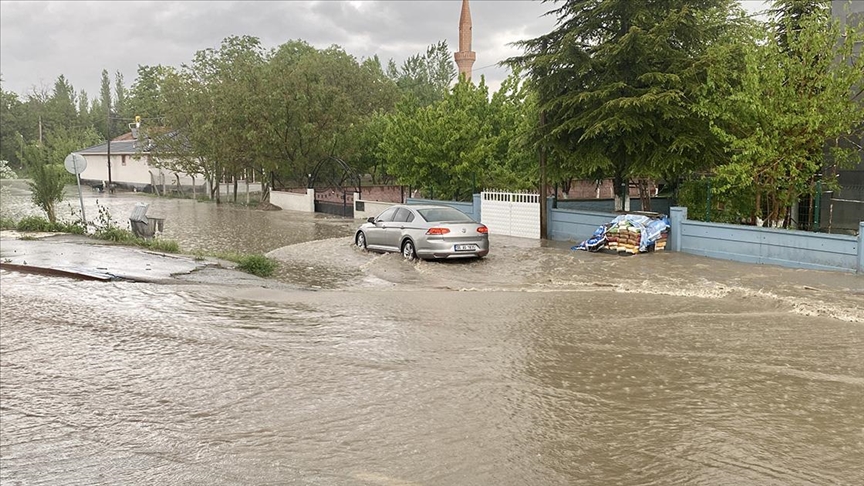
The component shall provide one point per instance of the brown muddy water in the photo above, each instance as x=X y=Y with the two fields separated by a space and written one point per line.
x=536 y=365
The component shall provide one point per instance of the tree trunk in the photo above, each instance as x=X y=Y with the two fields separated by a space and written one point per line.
x=621 y=193
x=644 y=197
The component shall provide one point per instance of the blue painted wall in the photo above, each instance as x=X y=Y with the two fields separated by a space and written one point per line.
x=753 y=244
x=568 y=225
x=749 y=244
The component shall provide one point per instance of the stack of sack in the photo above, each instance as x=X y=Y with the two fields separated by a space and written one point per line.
x=624 y=237
x=629 y=233
x=660 y=244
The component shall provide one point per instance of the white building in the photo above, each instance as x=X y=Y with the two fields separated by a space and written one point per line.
x=131 y=168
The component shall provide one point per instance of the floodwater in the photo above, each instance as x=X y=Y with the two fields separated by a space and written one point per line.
x=536 y=365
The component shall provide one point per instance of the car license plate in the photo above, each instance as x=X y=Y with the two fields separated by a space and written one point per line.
x=465 y=247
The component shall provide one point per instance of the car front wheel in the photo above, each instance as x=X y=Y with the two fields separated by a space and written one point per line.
x=361 y=241
x=408 y=251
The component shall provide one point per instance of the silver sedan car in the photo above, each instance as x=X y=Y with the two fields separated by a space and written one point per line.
x=427 y=232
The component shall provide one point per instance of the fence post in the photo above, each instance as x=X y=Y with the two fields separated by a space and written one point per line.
x=860 y=247
x=817 y=209
x=677 y=216
x=708 y=203
x=477 y=211
x=310 y=200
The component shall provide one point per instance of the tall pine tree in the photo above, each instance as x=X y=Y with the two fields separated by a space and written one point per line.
x=616 y=78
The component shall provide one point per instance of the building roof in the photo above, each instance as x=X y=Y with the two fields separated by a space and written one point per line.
x=121 y=145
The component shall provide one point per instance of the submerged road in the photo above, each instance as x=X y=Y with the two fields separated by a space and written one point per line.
x=536 y=365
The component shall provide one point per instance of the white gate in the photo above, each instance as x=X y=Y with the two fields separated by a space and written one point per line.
x=511 y=214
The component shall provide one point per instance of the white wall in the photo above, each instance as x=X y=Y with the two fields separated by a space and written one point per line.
x=227 y=188
x=126 y=169
x=292 y=201
x=371 y=208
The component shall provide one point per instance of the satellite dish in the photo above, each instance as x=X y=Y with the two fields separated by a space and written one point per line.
x=75 y=163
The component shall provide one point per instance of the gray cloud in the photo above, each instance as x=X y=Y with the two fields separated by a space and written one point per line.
x=41 y=40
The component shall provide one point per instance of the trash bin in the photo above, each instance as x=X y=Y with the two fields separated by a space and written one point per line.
x=142 y=226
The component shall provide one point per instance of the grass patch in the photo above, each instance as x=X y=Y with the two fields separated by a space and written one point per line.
x=115 y=234
x=165 y=246
x=8 y=223
x=126 y=237
x=258 y=265
x=36 y=224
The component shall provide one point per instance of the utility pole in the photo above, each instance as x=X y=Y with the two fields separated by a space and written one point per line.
x=108 y=130
x=544 y=189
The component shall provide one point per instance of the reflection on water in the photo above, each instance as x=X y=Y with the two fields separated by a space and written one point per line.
x=535 y=365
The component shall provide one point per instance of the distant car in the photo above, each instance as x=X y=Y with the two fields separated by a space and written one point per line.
x=427 y=232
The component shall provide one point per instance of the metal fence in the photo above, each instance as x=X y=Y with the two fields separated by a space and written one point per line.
x=344 y=208
x=841 y=212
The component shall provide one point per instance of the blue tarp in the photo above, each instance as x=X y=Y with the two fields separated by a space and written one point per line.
x=650 y=228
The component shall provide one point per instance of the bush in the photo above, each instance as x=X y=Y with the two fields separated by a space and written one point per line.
x=38 y=224
x=166 y=246
x=74 y=228
x=730 y=206
x=115 y=234
x=8 y=224
x=35 y=224
x=258 y=265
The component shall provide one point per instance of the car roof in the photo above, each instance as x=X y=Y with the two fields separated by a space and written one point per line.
x=427 y=206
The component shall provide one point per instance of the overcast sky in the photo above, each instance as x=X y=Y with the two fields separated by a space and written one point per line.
x=41 y=40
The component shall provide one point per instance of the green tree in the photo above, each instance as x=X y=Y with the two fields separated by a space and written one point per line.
x=121 y=108
x=513 y=163
x=61 y=108
x=11 y=118
x=235 y=87
x=368 y=159
x=425 y=78
x=47 y=178
x=777 y=103
x=145 y=94
x=84 y=109
x=461 y=143
x=616 y=79
x=315 y=104
x=184 y=143
x=787 y=17
x=102 y=111
x=206 y=111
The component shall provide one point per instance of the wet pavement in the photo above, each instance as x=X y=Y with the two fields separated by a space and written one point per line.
x=77 y=256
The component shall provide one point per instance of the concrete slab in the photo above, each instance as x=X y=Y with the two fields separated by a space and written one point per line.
x=79 y=256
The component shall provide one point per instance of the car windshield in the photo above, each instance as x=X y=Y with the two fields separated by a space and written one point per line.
x=438 y=215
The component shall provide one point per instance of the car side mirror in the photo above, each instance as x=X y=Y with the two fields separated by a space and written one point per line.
x=370 y=219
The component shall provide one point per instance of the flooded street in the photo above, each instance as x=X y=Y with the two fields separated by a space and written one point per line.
x=536 y=365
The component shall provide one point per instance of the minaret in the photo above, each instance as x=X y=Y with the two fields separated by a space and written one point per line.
x=465 y=57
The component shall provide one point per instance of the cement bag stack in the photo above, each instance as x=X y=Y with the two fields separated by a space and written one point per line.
x=629 y=233
x=624 y=236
